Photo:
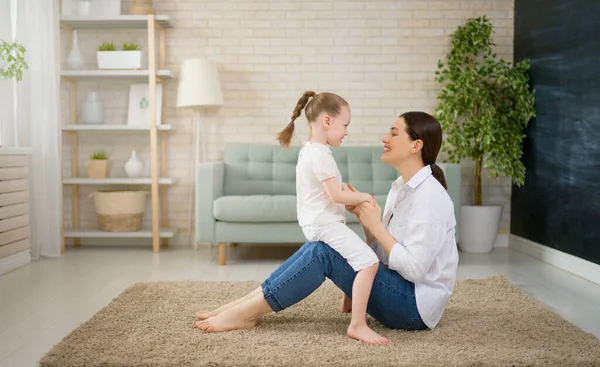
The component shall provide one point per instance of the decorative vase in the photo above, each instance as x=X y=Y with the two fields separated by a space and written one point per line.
x=91 y=111
x=141 y=7
x=75 y=58
x=133 y=167
x=84 y=8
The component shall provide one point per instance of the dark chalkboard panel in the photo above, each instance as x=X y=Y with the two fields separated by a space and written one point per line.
x=559 y=206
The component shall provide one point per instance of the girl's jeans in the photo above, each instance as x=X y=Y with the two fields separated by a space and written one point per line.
x=392 y=301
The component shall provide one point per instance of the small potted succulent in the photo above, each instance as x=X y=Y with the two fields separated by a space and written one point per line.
x=98 y=166
x=130 y=57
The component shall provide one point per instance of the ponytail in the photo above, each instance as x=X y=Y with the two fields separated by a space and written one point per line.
x=437 y=172
x=285 y=135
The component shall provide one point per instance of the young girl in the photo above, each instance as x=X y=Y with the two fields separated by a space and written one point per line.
x=321 y=200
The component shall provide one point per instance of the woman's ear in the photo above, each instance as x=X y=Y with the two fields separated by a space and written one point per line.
x=417 y=146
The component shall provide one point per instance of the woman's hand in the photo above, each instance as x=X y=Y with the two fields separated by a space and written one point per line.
x=369 y=215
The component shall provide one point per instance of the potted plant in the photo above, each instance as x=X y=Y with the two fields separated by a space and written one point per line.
x=98 y=166
x=485 y=104
x=12 y=60
x=12 y=64
x=130 y=57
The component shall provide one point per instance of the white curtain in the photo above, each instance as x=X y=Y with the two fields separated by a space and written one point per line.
x=37 y=117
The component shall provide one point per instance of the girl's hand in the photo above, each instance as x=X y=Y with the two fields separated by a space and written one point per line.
x=351 y=208
x=370 y=214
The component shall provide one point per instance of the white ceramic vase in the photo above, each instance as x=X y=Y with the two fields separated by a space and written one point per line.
x=91 y=111
x=75 y=58
x=133 y=166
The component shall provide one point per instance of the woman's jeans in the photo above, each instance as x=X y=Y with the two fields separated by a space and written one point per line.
x=392 y=300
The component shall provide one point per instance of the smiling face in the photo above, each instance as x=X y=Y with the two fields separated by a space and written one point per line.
x=398 y=145
x=336 y=127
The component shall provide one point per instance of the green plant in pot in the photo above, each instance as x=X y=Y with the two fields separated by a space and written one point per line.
x=12 y=64
x=485 y=104
x=98 y=166
x=12 y=60
x=129 y=57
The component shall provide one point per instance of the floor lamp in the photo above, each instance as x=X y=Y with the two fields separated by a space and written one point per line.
x=199 y=87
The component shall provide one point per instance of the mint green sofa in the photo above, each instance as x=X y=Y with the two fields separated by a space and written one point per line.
x=250 y=196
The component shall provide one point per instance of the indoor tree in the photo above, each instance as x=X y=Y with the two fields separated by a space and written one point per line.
x=485 y=104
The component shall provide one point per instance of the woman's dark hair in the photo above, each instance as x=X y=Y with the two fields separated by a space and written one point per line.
x=420 y=125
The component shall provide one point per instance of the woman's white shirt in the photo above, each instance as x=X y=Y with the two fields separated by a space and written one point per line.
x=425 y=253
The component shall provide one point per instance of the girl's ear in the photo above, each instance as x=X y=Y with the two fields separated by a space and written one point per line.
x=326 y=121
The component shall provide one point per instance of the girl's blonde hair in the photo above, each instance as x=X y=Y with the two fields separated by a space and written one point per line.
x=322 y=102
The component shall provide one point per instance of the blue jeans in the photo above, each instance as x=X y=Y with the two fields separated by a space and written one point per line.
x=392 y=300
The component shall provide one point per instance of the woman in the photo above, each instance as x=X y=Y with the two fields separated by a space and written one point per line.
x=414 y=241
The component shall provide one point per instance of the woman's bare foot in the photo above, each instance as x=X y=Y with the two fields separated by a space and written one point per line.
x=203 y=315
x=364 y=333
x=244 y=315
x=346 y=304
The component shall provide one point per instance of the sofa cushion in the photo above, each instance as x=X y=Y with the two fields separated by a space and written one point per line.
x=265 y=208
x=256 y=208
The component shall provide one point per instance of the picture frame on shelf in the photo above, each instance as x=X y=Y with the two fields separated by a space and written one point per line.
x=138 y=112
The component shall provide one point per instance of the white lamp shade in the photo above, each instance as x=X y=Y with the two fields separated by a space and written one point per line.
x=199 y=84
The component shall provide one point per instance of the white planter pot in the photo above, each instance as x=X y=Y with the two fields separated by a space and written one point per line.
x=119 y=59
x=479 y=227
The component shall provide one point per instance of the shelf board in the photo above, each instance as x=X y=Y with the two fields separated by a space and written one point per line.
x=114 y=181
x=106 y=127
x=121 y=21
x=94 y=73
x=96 y=233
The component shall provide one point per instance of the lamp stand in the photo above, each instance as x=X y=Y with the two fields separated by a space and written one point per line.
x=199 y=145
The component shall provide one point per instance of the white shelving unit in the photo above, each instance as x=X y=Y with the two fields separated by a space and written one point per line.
x=113 y=128
x=120 y=74
x=92 y=233
x=115 y=181
x=159 y=181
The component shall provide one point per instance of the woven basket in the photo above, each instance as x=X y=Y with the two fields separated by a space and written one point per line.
x=120 y=211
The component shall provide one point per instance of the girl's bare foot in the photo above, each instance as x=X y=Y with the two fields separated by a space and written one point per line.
x=346 y=304
x=244 y=315
x=364 y=333
x=203 y=315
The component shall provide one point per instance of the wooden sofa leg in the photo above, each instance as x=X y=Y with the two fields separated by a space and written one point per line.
x=222 y=253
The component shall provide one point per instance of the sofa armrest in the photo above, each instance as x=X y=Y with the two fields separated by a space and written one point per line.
x=453 y=175
x=209 y=186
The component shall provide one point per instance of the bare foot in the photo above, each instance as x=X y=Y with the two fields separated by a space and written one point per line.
x=241 y=316
x=346 y=306
x=203 y=315
x=365 y=334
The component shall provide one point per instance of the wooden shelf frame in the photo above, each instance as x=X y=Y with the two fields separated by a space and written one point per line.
x=155 y=26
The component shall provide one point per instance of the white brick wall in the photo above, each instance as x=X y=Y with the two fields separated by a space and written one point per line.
x=379 y=55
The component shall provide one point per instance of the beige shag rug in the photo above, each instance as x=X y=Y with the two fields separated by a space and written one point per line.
x=488 y=323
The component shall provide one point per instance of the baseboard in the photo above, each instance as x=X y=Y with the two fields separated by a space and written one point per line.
x=573 y=264
x=14 y=261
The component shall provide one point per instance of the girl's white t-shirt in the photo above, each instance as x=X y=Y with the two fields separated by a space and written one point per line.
x=314 y=207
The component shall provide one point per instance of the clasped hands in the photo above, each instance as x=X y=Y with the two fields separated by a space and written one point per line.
x=368 y=212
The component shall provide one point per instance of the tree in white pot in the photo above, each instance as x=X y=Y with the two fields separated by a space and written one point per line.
x=485 y=104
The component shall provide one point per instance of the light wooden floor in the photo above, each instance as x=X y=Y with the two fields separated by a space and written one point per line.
x=42 y=302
